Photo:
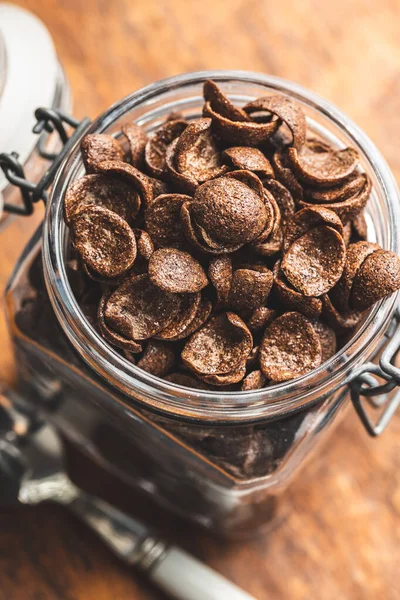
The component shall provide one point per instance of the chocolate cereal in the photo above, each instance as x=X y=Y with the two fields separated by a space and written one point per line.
x=227 y=252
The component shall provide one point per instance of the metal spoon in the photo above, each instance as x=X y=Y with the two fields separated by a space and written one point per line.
x=37 y=447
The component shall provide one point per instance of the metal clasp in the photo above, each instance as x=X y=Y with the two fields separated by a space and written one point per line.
x=364 y=386
x=48 y=121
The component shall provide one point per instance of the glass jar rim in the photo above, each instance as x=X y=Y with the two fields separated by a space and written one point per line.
x=204 y=405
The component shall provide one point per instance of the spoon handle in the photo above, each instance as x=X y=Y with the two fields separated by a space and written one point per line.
x=177 y=573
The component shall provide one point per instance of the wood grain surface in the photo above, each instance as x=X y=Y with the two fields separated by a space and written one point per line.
x=340 y=538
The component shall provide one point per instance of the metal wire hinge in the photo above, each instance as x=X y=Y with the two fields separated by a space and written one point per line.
x=366 y=388
x=48 y=121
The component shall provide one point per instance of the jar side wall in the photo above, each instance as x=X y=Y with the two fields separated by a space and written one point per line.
x=225 y=478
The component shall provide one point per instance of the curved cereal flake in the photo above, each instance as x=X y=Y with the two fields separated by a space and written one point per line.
x=269 y=242
x=226 y=378
x=144 y=243
x=176 y=271
x=327 y=338
x=163 y=220
x=285 y=175
x=220 y=274
x=196 y=154
x=137 y=140
x=292 y=299
x=340 y=321
x=240 y=132
x=221 y=104
x=259 y=318
x=229 y=211
x=287 y=110
x=316 y=165
x=138 y=309
x=102 y=190
x=249 y=159
x=351 y=207
x=158 y=358
x=377 y=278
x=290 y=348
x=109 y=281
x=249 y=290
x=184 y=182
x=306 y=219
x=253 y=381
x=220 y=347
x=250 y=179
x=337 y=193
x=314 y=263
x=103 y=240
x=130 y=174
x=111 y=336
x=203 y=312
x=283 y=198
x=158 y=143
x=98 y=147
x=355 y=256
x=176 y=329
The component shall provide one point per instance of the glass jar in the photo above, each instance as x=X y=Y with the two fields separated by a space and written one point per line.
x=220 y=459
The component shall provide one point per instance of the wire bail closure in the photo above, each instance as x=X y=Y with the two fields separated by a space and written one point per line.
x=364 y=387
x=48 y=121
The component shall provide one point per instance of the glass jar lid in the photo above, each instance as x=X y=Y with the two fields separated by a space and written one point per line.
x=30 y=77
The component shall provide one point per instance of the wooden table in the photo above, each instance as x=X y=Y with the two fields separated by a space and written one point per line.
x=341 y=537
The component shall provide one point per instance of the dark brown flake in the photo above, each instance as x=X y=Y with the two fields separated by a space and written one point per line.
x=290 y=348
x=103 y=240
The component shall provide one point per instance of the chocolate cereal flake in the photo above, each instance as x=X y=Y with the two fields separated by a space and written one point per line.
x=176 y=271
x=138 y=309
x=378 y=277
x=158 y=358
x=158 y=143
x=137 y=140
x=102 y=190
x=260 y=317
x=116 y=339
x=220 y=347
x=352 y=206
x=221 y=104
x=163 y=220
x=98 y=147
x=249 y=290
x=317 y=165
x=104 y=241
x=287 y=110
x=355 y=256
x=227 y=212
x=327 y=338
x=253 y=381
x=144 y=243
x=196 y=155
x=179 y=327
x=220 y=273
x=249 y=159
x=290 y=348
x=291 y=298
x=131 y=175
x=314 y=262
